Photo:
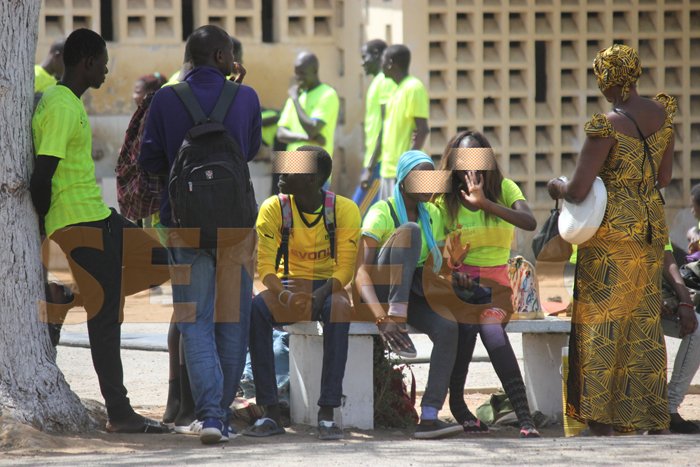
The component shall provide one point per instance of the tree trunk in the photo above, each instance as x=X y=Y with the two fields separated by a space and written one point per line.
x=32 y=388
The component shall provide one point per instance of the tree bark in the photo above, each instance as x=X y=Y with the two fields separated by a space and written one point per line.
x=32 y=388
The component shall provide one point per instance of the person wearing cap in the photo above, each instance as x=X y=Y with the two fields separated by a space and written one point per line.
x=617 y=377
x=399 y=252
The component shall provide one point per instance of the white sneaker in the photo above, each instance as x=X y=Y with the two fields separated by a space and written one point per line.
x=193 y=428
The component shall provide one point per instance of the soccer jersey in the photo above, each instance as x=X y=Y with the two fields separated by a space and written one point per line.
x=61 y=129
x=408 y=102
x=320 y=103
x=309 y=243
x=490 y=237
x=42 y=79
x=378 y=94
x=379 y=225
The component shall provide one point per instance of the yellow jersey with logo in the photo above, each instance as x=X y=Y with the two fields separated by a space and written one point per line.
x=309 y=242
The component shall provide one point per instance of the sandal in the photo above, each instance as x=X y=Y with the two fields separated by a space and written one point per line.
x=329 y=431
x=137 y=424
x=263 y=428
x=475 y=427
x=529 y=431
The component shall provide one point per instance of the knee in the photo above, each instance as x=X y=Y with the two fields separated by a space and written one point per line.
x=410 y=231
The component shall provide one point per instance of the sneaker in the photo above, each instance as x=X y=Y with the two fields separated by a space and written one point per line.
x=213 y=431
x=436 y=429
x=328 y=430
x=192 y=429
x=529 y=431
x=475 y=427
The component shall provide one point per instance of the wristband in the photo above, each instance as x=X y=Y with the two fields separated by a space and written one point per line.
x=689 y=305
x=279 y=297
x=381 y=320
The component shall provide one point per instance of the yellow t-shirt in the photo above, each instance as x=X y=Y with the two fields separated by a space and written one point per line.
x=409 y=101
x=309 y=247
x=379 y=225
x=321 y=103
x=61 y=129
x=42 y=79
x=378 y=94
x=491 y=237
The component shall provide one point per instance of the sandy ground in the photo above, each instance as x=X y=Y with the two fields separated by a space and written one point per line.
x=146 y=378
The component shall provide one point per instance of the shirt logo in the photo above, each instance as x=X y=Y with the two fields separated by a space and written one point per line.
x=209 y=174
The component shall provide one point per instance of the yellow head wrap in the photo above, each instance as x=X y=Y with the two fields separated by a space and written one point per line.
x=617 y=66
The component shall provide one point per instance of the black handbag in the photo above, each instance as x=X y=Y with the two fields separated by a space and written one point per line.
x=547 y=244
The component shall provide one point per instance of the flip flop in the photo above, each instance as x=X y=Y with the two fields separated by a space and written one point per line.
x=137 y=424
x=263 y=428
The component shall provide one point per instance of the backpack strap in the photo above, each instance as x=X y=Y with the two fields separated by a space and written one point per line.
x=184 y=92
x=395 y=218
x=329 y=220
x=287 y=222
x=226 y=98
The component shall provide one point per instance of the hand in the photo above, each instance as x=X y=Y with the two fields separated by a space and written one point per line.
x=299 y=301
x=454 y=250
x=293 y=91
x=394 y=334
x=365 y=178
x=318 y=299
x=462 y=280
x=474 y=196
x=319 y=139
x=688 y=321
x=693 y=246
x=239 y=73
x=555 y=187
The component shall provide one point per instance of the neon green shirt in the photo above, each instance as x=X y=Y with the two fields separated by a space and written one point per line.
x=269 y=131
x=491 y=237
x=61 y=129
x=378 y=94
x=321 y=103
x=379 y=225
x=42 y=79
x=409 y=101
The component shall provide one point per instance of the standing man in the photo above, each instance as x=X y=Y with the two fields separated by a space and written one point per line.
x=51 y=69
x=378 y=93
x=212 y=286
x=406 y=121
x=69 y=204
x=310 y=114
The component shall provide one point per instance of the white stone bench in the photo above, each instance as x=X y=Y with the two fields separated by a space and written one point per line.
x=542 y=342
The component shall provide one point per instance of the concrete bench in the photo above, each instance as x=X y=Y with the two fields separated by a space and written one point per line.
x=542 y=342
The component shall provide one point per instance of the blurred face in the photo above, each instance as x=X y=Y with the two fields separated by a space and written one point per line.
x=371 y=61
x=421 y=197
x=139 y=92
x=96 y=69
x=304 y=75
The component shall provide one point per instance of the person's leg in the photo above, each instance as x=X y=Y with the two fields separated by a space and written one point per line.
x=465 y=350
x=172 y=406
x=403 y=249
x=280 y=348
x=336 y=324
x=684 y=368
x=495 y=339
x=194 y=310
x=232 y=326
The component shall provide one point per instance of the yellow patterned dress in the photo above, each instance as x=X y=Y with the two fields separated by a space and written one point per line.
x=617 y=350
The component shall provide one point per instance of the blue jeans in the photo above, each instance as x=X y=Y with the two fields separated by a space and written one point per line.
x=686 y=364
x=335 y=318
x=212 y=312
x=280 y=348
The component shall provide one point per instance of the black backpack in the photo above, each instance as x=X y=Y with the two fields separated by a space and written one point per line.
x=209 y=185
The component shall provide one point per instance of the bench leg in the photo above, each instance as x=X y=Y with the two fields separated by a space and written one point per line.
x=305 y=358
x=541 y=364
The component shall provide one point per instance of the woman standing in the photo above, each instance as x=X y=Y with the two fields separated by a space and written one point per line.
x=484 y=208
x=617 y=378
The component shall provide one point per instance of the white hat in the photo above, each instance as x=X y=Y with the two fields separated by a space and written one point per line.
x=579 y=222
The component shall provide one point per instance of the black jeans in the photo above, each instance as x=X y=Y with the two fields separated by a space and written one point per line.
x=94 y=251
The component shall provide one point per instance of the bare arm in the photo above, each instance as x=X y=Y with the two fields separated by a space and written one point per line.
x=285 y=135
x=421 y=133
x=686 y=309
x=590 y=161
x=363 y=281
